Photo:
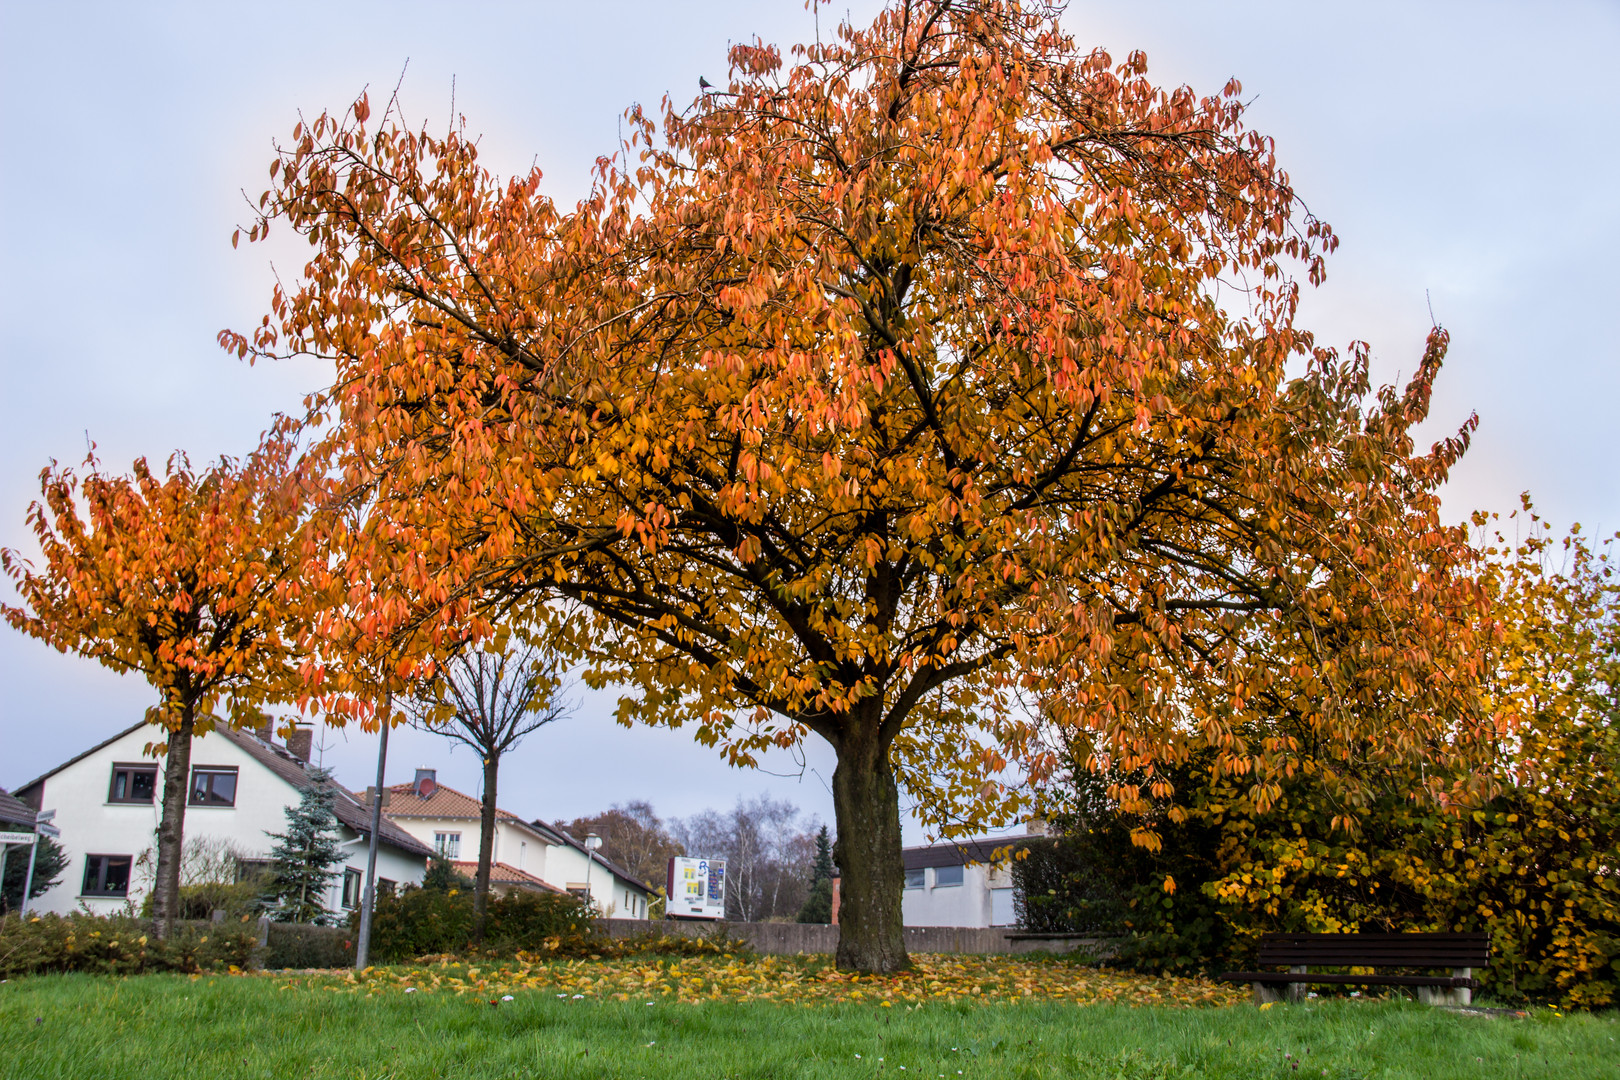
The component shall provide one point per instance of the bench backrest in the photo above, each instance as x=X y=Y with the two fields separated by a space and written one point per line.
x=1376 y=950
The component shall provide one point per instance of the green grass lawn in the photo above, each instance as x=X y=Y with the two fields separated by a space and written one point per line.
x=219 y=1026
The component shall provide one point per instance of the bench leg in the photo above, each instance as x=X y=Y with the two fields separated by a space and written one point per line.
x=1266 y=993
x=1448 y=995
x=1296 y=991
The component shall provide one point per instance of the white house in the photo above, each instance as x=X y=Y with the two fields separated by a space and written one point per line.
x=451 y=823
x=107 y=803
x=960 y=883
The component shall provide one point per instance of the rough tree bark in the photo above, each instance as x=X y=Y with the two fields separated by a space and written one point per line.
x=866 y=802
x=171 y=826
x=486 y=849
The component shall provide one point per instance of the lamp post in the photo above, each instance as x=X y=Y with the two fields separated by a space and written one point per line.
x=368 y=900
x=592 y=843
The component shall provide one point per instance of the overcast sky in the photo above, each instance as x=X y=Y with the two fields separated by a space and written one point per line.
x=1465 y=152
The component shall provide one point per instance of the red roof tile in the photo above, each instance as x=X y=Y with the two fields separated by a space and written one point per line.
x=501 y=874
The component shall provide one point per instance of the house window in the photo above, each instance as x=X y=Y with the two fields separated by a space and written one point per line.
x=106 y=875
x=386 y=887
x=213 y=785
x=351 y=887
x=1002 y=912
x=447 y=844
x=133 y=784
x=947 y=875
x=914 y=878
x=252 y=869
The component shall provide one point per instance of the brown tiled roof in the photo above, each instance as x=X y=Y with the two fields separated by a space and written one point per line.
x=13 y=811
x=445 y=802
x=501 y=874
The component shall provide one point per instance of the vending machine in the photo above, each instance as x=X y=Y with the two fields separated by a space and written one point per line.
x=697 y=889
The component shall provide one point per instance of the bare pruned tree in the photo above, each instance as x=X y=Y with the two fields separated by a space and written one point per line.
x=489 y=700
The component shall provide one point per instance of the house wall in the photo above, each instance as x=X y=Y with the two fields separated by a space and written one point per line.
x=392 y=864
x=984 y=899
x=556 y=864
x=514 y=845
x=91 y=825
x=615 y=897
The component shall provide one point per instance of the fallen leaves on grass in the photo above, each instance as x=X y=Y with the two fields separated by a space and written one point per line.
x=798 y=980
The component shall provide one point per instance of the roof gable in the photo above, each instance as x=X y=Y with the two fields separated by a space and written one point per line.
x=279 y=761
x=446 y=803
x=612 y=867
x=75 y=759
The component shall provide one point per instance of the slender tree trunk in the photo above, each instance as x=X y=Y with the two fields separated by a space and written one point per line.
x=486 y=849
x=171 y=826
x=866 y=803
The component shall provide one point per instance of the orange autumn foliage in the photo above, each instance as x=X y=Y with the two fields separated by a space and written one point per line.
x=182 y=577
x=942 y=370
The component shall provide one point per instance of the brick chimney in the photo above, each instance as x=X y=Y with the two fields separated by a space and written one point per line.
x=267 y=730
x=299 y=742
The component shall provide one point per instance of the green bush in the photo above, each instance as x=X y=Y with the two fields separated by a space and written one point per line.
x=303 y=945
x=200 y=901
x=422 y=921
x=1093 y=879
x=120 y=945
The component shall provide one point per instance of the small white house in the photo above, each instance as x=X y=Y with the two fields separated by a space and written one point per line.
x=960 y=883
x=108 y=803
x=451 y=823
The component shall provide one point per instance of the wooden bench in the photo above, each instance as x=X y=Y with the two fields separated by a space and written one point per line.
x=1300 y=952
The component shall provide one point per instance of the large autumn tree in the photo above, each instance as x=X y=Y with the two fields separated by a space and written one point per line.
x=183 y=577
x=929 y=391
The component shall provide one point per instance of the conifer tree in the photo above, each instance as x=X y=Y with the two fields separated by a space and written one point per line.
x=818 y=905
x=304 y=856
x=48 y=867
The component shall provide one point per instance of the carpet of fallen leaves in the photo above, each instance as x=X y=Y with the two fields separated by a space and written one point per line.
x=793 y=980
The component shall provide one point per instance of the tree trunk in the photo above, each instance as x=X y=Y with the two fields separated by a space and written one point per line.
x=171 y=827
x=866 y=803
x=486 y=850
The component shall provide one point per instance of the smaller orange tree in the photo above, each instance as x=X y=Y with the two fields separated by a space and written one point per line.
x=182 y=577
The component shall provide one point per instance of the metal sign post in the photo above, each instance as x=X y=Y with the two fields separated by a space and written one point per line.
x=6 y=840
x=28 y=879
